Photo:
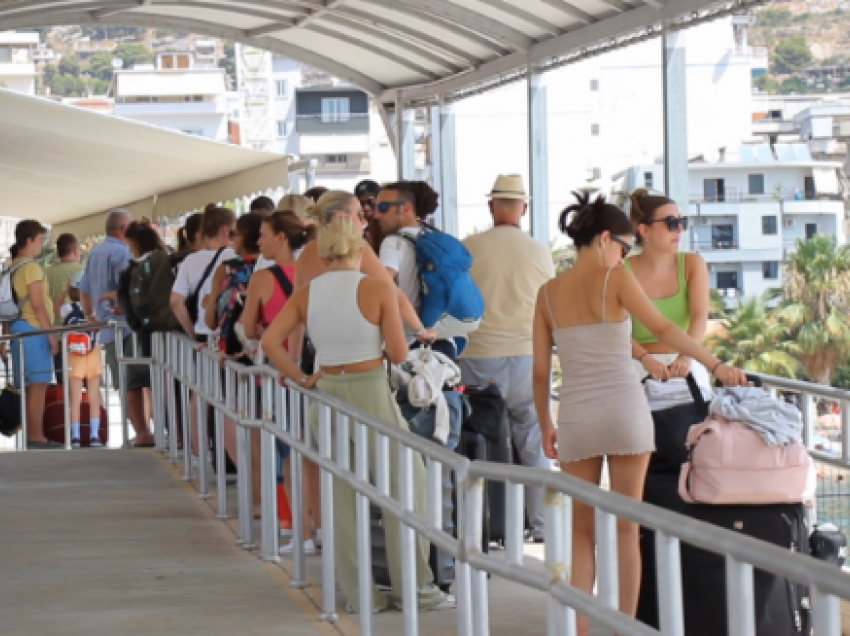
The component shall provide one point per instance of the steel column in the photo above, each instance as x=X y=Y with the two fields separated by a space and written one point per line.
x=447 y=168
x=675 y=100
x=538 y=157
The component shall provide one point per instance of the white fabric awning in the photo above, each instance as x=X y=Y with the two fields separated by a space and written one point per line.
x=60 y=163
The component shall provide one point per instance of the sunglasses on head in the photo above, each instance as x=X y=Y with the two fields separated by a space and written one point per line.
x=624 y=245
x=673 y=223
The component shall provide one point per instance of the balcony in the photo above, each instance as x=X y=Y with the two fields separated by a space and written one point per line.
x=218 y=107
x=317 y=123
x=21 y=69
x=708 y=246
x=831 y=205
x=787 y=196
x=331 y=143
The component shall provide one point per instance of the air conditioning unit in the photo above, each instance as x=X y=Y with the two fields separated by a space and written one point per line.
x=789 y=223
x=703 y=220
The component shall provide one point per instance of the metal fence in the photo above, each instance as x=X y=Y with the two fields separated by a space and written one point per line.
x=281 y=413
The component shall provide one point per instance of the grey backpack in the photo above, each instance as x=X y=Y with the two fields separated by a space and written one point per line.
x=10 y=304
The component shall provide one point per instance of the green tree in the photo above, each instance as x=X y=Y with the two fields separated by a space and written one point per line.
x=228 y=62
x=717 y=306
x=69 y=65
x=794 y=85
x=773 y=17
x=133 y=54
x=816 y=300
x=755 y=341
x=766 y=83
x=100 y=65
x=50 y=72
x=790 y=55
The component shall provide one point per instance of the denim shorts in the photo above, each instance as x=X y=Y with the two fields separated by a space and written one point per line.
x=38 y=361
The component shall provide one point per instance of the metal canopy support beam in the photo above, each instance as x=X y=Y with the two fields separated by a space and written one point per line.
x=404 y=134
x=538 y=157
x=674 y=70
x=447 y=168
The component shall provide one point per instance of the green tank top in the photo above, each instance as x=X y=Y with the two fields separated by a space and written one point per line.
x=675 y=308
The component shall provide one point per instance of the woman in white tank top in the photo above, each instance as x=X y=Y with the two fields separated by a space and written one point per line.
x=353 y=322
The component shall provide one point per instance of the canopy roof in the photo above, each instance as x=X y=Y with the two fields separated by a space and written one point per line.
x=60 y=162
x=427 y=47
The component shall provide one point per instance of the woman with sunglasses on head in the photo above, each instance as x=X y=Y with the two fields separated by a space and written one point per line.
x=676 y=282
x=585 y=312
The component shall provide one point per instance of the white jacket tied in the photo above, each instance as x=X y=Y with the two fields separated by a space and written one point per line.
x=778 y=422
x=424 y=373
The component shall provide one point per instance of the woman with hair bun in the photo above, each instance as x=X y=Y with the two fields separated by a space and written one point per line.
x=353 y=321
x=676 y=282
x=585 y=312
x=189 y=238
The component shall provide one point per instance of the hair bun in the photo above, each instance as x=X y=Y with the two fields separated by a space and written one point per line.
x=579 y=218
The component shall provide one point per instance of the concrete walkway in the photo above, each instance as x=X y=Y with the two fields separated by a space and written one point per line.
x=99 y=543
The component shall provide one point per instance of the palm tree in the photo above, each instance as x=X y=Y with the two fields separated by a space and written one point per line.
x=753 y=340
x=815 y=300
x=717 y=307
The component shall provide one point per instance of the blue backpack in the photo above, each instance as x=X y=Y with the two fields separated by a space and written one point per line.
x=450 y=300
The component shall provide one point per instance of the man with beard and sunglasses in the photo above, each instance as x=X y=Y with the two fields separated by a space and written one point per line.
x=367 y=193
x=676 y=282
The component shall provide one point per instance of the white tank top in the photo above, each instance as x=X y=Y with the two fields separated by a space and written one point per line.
x=335 y=323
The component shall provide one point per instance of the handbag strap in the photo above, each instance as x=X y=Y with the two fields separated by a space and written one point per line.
x=695 y=391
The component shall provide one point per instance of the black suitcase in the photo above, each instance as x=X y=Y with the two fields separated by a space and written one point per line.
x=781 y=606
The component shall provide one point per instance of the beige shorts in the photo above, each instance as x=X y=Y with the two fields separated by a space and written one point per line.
x=88 y=366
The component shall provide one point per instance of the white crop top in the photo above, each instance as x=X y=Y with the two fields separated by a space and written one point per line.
x=335 y=323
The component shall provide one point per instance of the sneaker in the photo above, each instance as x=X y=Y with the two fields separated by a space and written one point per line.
x=309 y=548
x=75 y=442
x=95 y=443
x=450 y=602
x=287 y=533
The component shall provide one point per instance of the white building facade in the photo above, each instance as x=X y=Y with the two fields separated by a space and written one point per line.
x=176 y=93
x=747 y=215
x=17 y=61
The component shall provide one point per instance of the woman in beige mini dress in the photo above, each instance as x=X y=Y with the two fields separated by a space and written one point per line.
x=586 y=313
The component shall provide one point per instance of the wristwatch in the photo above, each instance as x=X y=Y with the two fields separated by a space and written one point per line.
x=303 y=380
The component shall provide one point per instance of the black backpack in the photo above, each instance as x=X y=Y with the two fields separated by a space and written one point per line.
x=144 y=292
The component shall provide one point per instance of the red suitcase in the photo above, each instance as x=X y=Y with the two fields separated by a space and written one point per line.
x=54 y=417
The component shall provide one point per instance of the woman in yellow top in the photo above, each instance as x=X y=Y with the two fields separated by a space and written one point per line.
x=33 y=292
x=676 y=282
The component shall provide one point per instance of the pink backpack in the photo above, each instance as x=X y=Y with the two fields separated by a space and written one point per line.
x=731 y=464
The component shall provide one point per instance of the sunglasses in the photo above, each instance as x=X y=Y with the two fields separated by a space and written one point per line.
x=626 y=247
x=673 y=223
x=367 y=203
x=384 y=207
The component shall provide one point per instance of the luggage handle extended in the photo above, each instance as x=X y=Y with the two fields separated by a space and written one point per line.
x=696 y=393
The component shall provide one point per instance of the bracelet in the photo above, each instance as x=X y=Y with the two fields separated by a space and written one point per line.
x=303 y=380
x=716 y=367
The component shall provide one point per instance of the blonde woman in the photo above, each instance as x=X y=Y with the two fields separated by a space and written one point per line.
x=354 y=322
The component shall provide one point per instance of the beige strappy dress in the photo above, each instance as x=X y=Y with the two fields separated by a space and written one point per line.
x=603 y=410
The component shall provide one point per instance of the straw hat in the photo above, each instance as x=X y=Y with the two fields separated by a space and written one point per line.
x=509 y=186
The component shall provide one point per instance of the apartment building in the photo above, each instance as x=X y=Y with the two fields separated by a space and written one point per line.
x=177 y=92
x=748 y=208
x=17 y=62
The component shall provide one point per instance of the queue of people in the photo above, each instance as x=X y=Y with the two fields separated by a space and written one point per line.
x=328 y=286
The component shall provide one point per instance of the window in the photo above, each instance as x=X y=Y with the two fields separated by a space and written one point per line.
x=280 y=89
x=335 y=110
x=756 y=184
x=727 y=280
x=811 y=230
x=594 y=84
x=336 y=159
x=770 y=269
x=647 y=180
x=774 y=114
x=282 y=129
x=769 y=225
x=714 y=190
x=594 y=129
x=722 y=237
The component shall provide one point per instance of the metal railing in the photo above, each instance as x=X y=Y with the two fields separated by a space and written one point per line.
x=282 y=414
x=17 y=340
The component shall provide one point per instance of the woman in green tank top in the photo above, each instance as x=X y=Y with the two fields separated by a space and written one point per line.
x=676 y=282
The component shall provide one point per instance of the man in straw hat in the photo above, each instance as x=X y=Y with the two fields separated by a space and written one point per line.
x=509 y=268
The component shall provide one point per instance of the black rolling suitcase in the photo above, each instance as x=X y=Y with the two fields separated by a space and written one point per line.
x=781 y=606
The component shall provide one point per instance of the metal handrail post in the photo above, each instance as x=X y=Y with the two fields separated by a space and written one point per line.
x=561 y=619
x=328 y=546
x=122 y=386
x=243 y=473
x=201 y=366
x=220 y=450
x=183 y=352
x=364 y=530
x=269 y=538
x=409 y=591
x=297 y=504
x=472 y=537
x=158 y=390
x=22 y=378
x=171 y=390
x=66 y=392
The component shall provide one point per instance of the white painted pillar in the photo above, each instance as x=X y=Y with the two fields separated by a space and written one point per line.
x=538 y=157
